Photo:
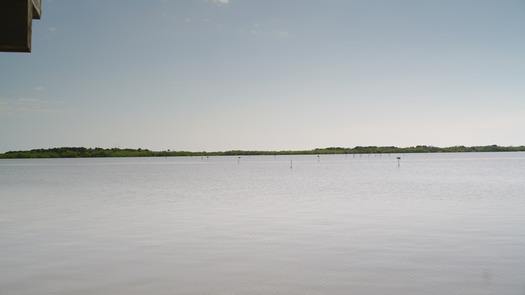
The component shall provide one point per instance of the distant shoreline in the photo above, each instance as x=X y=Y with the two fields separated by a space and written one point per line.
x=82 y=152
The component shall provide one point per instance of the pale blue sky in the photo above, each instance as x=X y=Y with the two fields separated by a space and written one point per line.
x=267 y=75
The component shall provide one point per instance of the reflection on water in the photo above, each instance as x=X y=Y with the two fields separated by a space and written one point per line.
x=438 y=224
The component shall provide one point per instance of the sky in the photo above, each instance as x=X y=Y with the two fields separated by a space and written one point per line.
x=217 y=75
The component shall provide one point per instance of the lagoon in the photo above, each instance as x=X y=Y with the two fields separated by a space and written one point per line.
x=445 y=223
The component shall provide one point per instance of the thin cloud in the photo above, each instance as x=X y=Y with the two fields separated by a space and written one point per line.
x=30 y=101
x=4 y=106
x=281 y=33
x=260 y=30
x=28 y=105
x=221 y=2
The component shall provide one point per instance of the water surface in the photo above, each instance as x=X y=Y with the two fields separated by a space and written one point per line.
x=337 y=224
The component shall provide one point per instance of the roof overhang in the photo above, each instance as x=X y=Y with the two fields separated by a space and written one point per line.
x=16 y=18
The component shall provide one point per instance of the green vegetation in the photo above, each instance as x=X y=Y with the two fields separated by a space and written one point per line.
x=81 y=152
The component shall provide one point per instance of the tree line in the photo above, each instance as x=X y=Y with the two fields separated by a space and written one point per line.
x=82 y=152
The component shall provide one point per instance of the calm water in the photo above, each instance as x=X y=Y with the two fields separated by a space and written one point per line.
x=438 y=224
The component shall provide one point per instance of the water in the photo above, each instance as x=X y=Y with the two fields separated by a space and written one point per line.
x=438 y=224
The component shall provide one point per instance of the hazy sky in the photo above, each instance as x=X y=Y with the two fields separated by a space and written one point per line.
x=267 y=74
